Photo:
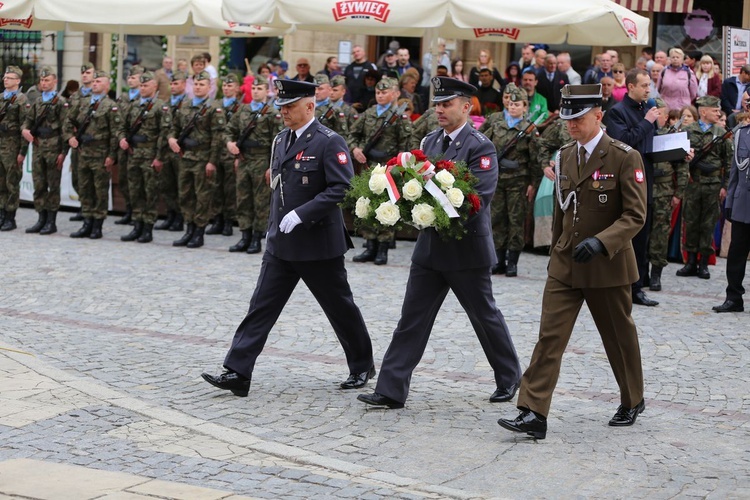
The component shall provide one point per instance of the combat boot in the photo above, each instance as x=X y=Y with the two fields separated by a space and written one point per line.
x=9 y=224
x=185 y=237
x=703 y=268
x=381 y=258
x=177 y=224
x=2 y=216
x=77 y=217
x=127 y=217
x=41 y=221
x=50 y=226
x=371 y=249
x=227 y=231
x=85 y=229
x=689 y=269
x=244 y=242
x=655 y=283
x=164 y=225
x=255 y=242
x=218 y=226
x=197 y=240
x=501 y=266
x=135 y=233
x=512 y=270
x=96 y=229
x=147 y=236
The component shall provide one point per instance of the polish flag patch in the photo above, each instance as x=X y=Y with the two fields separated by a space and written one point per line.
x=639 y=176
x=485 y=163
x=342 y=158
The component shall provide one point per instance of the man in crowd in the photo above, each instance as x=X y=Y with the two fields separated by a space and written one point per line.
x=404 y=62
x=390 y=64
x=163 y=78
x=550 y=82
x=527 y=56
x=326 y=112
x=13 y=109
x=564 y=65
x=303 y=71
x=661 y=58
x=354 y=73
x=605 y=69
x=537 y=102
x=486 y=93
x=733 y=88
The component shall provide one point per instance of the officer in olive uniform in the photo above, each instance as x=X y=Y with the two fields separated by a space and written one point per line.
x=43 y=127
x=707 y=186
x=196 y=135
x=124 y=103
x=143 y=136
x=338 y=91
x=310 y=172
x=170 y=172
x=224 y=201
x=249 y=135
x=13 y=109
x=326 y=112
x=519 y=175
x=83 y=93
x=601 y=207
x=395 y=138
x=91 y=127
x=670 y=181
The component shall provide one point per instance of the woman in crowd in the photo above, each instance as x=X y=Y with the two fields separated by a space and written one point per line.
x=513 y=74
x=678 y=86
x=709 y=82
x=408 y=85
x=689 y=115
x=620 y=89
x=457 y=70
x=331 y=68
x=484 y=61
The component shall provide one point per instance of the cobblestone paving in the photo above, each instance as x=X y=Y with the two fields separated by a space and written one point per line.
x=117 y=335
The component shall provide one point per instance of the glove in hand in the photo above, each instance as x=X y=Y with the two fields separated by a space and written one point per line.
x=289 y=222
x=585 y=250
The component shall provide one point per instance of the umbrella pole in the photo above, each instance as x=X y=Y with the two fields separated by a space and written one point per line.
x=120 y=56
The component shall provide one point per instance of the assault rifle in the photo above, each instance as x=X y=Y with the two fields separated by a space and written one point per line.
x=188 y=129
x=512 y=143
x=249 y=128
x=383 y=126
x=137 y=124
x=81 y=129
x=676 y=126
x=34 y=130
x=710 y=146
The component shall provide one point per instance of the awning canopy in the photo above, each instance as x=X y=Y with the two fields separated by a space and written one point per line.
x=676 y=6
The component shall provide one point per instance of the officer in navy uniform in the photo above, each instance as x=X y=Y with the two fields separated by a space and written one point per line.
x=462 y=266
x=310 y=172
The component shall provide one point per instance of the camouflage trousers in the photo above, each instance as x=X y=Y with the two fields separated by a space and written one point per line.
x=74 y=159
x=195 y=192
x=122 y=175
x=144 y=189
x=700 y=213
x=253 y=194
x=169 y=182
x=380 y=235
x=508 y=211
x=658 y=241
x=93 y=181
x=224 y=200
x=46 y=176
x=10 y=175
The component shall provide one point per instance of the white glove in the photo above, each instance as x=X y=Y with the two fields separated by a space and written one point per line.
x=289 y=222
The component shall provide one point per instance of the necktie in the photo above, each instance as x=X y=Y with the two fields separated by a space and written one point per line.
x=292 y=138
x=581 y=159
x=446 y=143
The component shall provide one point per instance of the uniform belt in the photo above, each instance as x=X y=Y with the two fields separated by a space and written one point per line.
x=46 y=132
x=378 y=155
x=139 y=139
x=509 y=166
x=696 y=173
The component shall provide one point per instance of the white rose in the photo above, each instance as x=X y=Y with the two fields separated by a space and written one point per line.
x=455 y=196
x=423 y=215
x=378 y=169
x=377 y=183
x=362 y=208
x=445 y=179
x=412 y=190
x=387 y=213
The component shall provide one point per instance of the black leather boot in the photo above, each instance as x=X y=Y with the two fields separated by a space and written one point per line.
x=655 y=281
x=127 y=217
x=50 y=226
x=9 y=224
x=689 y=269
x=381 y=258
x=77 y=217
x=703 y=268
x=197 y=240
x=371 y=249
x=135 y=233
x=85 y=229
x=96 y=229
x=164 y=225
x=218 y=226
x=40 y=222
x=185 y=237
x=255 y=242
x=501 y=266
x=244 y=242
x=512 y=270
x=177 y=224
x=147 y=236
x=227 y=231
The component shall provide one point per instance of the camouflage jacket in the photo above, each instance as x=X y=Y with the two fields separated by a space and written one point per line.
x=351 y=114
x=674 y=173
x=395 y=138
x=333 y=118
x=551 y=140
x=100 y=136
x=259 y=139
x=714 y=167
x=423 y=126
x=521 y=161
x=50 y=115
x=204 y=141
x=150 y=140
x=14 y=113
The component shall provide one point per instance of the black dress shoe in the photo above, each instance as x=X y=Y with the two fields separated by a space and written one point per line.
x=729 y=306
x=626 y=416
x=502 y=395
x=229 y=381
x=527 y=421
x=640 y=299
x=377 y=399
x=357 y=380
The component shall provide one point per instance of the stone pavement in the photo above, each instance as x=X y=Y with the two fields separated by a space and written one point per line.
x=102 y=344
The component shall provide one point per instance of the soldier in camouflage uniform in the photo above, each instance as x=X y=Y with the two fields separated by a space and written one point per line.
x=196 y=134
x=43 y=127
x=83 y=93
x=169 y=175
x=91 y=127
x=325 y=112
x=423 y=126
x=395 y=138
x=707 y=186
x=13 y=109
x=338 y=91
x=670 y=180
x=518 y=175
x=253 y=156
x=143 y=137
x=224 y=201
x=501 y=115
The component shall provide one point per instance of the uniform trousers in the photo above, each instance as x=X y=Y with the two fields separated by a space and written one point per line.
x=610 y=308
x=196 y=190
x=700 y=214
x=93 y=181
x=169 y=181
x=144 y=189
x=10 y=175
x=253 y=194
x=327 y=281
x=739 y=249
x=509 y=206
x=46 y=176
x=640 y=248
x=426 y=290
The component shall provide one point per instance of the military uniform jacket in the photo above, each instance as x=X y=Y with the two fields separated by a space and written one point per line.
x=521 y=160
x=100 y=136
x=351 y=114
x=10 y=127
x=204 y=143
x=150 y=140
x=49 y=134
x=552 y=139
x=476 y=248
x=334 y=118
x=396 y=137
x=313 y=177
x=423 y=126
x=719 y=158
x=124 y=103
x=229 y=112
x=613 y=209
x=260 y=138
x=738 y=189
